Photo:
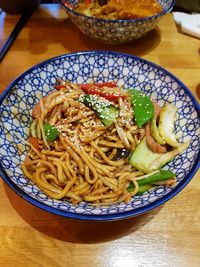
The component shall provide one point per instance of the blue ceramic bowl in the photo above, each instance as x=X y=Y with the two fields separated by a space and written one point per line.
x=115 y=31
x=19 y=98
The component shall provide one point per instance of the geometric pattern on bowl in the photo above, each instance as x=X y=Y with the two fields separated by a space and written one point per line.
x=115 y=31
x=20 y=97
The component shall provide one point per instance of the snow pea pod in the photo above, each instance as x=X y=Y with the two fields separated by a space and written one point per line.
x=142 y=188
x=142 y=107
x=149 y=180
x=162 y=175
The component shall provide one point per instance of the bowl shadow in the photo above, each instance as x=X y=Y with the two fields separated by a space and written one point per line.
x=75 y=231
x=81 y=42
x=198 y=91
x=138 y=47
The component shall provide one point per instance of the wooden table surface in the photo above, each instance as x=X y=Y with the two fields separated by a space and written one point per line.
x=166 y=236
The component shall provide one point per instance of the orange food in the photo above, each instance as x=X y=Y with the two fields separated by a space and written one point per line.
x=120 y=9
x=35 y=142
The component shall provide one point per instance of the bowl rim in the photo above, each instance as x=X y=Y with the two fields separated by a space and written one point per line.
x=114 y=216
x=163 y=12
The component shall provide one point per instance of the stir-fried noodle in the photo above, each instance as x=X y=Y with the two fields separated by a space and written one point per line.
x=87 y=161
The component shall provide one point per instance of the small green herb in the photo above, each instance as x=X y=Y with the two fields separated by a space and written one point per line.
x=50 y=131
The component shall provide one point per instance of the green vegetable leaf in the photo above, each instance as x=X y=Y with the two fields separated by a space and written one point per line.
x=104 y=109
x=108 y=115
x=142 y=188
x=147 y=161
x=166 y=125
x=148 y=181
x=142 y=107
x=156 y=177
x=131 y=187
x=155 y=132
x=50 y=131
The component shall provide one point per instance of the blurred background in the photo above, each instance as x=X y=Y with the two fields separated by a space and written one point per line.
x=181 y=5
x=13 y=6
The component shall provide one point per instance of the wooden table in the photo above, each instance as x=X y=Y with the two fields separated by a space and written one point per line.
x=167 y=236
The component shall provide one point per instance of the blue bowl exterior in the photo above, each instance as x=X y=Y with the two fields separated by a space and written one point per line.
x=188 y=163
x=115 y=31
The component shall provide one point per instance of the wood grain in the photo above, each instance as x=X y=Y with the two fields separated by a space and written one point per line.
x=166 y=236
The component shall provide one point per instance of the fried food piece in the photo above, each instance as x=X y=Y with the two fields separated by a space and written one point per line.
x=121 y=9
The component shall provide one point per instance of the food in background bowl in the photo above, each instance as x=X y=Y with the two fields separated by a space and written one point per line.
x=20 y=98
x=119 y=9
x=115 y=31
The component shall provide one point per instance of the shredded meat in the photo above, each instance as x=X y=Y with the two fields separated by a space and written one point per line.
x=36 y=111
x=153 y=145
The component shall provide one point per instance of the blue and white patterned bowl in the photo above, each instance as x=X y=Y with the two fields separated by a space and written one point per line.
x=115 y=31
x=19 y=98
